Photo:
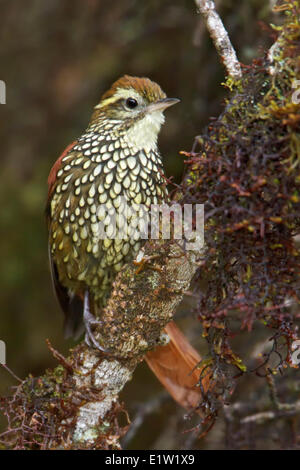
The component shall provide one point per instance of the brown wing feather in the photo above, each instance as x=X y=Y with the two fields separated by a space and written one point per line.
x=71 y=304
x=56 y=167
x=174 y=366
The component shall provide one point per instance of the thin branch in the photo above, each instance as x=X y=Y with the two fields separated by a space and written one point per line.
x=220 y=37
x=286 y=410
x=145 y=409
x=274 y=52
x=11 y=372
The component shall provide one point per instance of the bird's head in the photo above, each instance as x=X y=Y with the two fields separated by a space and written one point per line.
x=136 y=105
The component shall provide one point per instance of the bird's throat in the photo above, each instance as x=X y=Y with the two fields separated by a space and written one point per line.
x=143 y=134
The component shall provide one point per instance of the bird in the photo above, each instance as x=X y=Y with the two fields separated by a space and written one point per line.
x=116 y=157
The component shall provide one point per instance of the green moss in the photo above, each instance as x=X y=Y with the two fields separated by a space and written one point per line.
x=246 y=171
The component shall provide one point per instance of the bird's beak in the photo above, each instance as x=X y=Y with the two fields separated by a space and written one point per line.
x=161 y=105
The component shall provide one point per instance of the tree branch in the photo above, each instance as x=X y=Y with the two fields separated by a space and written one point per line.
x=220 y=37
x=139 y=307
x=76 y=405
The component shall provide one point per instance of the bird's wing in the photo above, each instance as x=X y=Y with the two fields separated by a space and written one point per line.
x=71 y=303
x=55 y=168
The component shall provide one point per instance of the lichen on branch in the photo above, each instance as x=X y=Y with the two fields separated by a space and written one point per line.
x=220 y=37
x=76 y=405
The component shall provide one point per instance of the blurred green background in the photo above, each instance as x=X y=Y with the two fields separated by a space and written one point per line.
x=57 y=58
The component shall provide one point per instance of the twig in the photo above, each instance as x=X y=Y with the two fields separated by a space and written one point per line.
x=59 y=357
x=263 y=417
x=273 y=391
x=275 y=49
x=145 y=410
x=220 y=37
x=11 y=372
x=273 y=52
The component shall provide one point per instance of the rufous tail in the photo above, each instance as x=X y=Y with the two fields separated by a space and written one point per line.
x=175 y=366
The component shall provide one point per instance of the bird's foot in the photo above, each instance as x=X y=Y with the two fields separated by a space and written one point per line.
x=141 y=261
x=89 y=322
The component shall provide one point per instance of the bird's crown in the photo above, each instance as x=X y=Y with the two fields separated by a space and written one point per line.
x=144 y=87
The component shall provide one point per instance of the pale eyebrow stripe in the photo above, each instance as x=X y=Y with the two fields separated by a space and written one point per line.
x=121 y=93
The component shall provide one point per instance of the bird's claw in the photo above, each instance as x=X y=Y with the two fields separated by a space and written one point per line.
x=89 y=322
x=142 y=260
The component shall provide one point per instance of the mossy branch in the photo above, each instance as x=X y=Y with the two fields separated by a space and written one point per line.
x=76 y=405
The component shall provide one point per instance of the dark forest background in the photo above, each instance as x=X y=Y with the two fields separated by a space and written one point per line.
x=57 y=58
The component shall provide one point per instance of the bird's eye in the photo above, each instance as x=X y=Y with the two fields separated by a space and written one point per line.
x=131 y=103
